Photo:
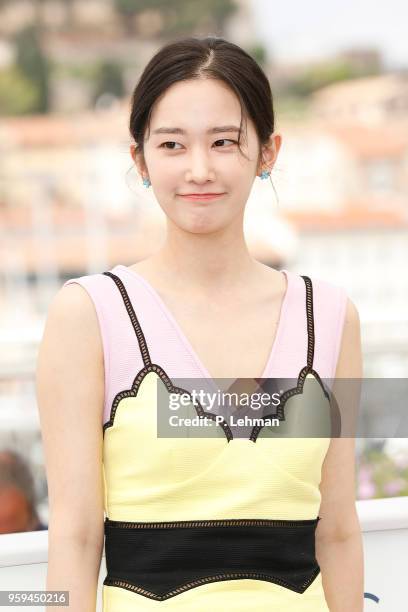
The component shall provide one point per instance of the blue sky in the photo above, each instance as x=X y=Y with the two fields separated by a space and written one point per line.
x=296 y=29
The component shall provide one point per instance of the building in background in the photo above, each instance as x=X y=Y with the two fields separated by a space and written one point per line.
x=71 y=202
x=371 y=100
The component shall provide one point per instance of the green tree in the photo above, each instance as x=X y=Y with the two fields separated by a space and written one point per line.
x=127 y=10
x=180 y=17
x=320 y=75
x=109 y=79
x=18 y=95
x=184 y=16
x=258 y=52
x=33 y=64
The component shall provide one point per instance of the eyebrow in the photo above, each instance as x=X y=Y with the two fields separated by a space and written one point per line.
x=214 y=130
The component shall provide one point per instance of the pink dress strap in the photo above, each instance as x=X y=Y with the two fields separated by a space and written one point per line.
x=329 y=303
x=297 y=344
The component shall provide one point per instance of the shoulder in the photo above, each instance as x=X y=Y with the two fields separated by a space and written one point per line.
x=85 y=295
x=91 y=283
x=345 y=321
x=320 y=286
x=326 y=288
x=337 y=323
x=72 y=315
x=72 y=299
x=332 y=295
x=352 y=316
x=330 y=300
x=70 y=360
x=349 y=364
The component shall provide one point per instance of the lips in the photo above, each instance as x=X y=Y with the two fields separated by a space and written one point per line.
x=201 y=196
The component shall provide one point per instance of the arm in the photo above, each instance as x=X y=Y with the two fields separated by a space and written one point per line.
x=339 y=546
x=70 y=394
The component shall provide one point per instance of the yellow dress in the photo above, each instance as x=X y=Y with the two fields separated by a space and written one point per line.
x=209 y=523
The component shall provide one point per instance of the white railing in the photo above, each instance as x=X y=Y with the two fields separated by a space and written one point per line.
x=384 y=523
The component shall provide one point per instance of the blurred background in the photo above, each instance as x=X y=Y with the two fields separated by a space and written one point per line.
x=71 y=202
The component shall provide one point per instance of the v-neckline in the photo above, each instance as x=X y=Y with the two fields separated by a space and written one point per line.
x=183 y=337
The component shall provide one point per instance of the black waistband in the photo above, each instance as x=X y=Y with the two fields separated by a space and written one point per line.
x=160 y=560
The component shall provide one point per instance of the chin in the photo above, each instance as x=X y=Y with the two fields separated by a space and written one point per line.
x=204 y=226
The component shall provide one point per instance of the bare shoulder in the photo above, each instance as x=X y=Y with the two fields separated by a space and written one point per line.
x=352 y=316
x=70 y=396
x=70 y=358
x=73 y=304
x=349 y=363
x=72 y=340
x=349 y=359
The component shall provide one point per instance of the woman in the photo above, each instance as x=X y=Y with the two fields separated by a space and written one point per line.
x=218 y=520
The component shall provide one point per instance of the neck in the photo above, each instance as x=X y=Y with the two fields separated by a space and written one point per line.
x=206 y=261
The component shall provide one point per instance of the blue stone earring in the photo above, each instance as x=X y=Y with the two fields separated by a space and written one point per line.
x=265 y=174
x=146 y=182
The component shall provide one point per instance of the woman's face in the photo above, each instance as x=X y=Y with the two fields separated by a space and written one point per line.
x=191 y=148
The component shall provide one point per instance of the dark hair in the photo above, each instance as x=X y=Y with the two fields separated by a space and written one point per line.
x=195 y=58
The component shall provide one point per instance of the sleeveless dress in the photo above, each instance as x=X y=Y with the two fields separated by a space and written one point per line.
x=208 y=523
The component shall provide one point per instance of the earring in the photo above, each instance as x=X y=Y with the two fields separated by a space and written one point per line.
x=265 y=174
x=146 y=182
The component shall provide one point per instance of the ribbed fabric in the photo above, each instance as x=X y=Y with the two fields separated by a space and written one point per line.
x=168 y=345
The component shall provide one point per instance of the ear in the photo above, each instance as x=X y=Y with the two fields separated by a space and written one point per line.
x=138 y=159
x=270 y=152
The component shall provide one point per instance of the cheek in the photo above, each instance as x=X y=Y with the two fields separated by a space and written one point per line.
x=165 y=173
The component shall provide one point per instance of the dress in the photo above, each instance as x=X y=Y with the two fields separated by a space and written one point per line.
x=207 y=523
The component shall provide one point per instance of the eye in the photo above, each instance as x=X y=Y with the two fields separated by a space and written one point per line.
x=171 y=142
x=226 y=140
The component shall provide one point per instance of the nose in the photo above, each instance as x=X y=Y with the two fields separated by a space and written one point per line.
x=199 y=170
